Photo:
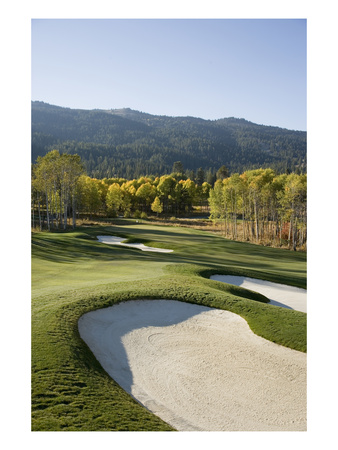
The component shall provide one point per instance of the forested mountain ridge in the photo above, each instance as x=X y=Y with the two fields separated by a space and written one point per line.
x=128 y=143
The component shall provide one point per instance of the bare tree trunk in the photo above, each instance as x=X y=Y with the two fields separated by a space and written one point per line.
x=294 y=236
x=290 y=231
x=47 y=211
x=39 y=215
x=32 y=208
x=243 y=222
x=60 y=206
x=301 y=236
x=256 y=220
x=74 y=212
x=56 y=208
x=65 y=210
x=51 y=214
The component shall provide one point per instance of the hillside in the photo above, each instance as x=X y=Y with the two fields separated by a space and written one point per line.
x=128 y=143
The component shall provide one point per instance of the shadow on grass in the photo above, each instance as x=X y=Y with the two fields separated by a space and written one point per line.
x=69 y=250
x=192 y=248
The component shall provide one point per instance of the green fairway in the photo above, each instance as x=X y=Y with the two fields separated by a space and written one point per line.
x=73 y=273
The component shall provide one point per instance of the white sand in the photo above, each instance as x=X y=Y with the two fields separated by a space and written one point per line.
x=115 y=240
x=278 y=294
x=199 y=368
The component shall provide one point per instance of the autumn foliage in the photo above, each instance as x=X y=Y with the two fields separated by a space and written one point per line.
x=263 y=207
x=258 y=205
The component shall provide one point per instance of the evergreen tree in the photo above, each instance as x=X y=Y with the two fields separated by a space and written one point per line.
x=178 y=167
x=222 y=173
x=200 y=176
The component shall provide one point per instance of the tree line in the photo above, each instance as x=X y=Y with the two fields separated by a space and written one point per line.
x=261 y=206
x=257 y=205
x=61 y=191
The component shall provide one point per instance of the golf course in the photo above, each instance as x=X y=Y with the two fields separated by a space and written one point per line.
x=96 y=268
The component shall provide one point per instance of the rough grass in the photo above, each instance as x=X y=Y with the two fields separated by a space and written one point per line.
x=72 y=273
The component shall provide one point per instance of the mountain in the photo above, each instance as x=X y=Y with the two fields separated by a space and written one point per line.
x=128 y=143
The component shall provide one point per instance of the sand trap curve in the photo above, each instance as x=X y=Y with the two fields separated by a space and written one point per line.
x=115 y=240
x=278 y=294
x=199 y=368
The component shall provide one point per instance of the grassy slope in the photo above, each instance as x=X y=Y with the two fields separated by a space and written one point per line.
x=72 y=273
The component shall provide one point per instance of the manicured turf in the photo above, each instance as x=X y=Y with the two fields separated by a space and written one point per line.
x=72 y=273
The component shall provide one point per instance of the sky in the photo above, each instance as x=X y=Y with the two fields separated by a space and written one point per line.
x=209 y=68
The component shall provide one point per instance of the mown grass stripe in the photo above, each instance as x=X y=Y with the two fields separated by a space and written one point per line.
x=70 y=390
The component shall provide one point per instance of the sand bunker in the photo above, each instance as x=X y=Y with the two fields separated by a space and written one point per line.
x=278 y=294
x=115 y=240
x=199 y=368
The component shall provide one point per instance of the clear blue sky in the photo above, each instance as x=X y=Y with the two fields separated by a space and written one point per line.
x=209 y=68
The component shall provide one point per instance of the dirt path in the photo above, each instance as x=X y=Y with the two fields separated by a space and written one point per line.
x=199 y=368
